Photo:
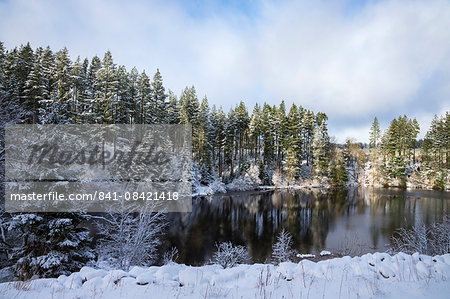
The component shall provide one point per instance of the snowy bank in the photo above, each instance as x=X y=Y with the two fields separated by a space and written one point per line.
x=372 y=275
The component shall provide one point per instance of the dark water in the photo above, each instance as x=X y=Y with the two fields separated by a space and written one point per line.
x=347 y=221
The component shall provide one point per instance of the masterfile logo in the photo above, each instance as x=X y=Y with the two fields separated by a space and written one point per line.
x=115 y=166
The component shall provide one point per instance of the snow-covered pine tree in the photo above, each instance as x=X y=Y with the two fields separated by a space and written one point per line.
x=189 y=114
x=320 y=146
x=436 y=151
x=242 y=122
x=62 y=82
x=255 y=128
x=375 y=134
x=336 y=169
x=282 y=133
x=47 y=113
x=294 y=137
x=12 y=110
x=78 y=89
x=218 y=119
x=282 y=249
x=307 y=129
x=292 y=166
x=23 y=63
x=48 y=69
x=173 y=114
x=143 y=113
x=122 y=102
x=129 y=97
x=205 y=146
x=159 y=96
x=34 y=89
x=2 y=71
x=229 y=145
x=50 y=244
x=268 y=134
x=107 y=87
x=91 y=102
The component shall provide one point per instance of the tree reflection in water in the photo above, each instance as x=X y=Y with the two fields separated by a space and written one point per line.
x=352 y=221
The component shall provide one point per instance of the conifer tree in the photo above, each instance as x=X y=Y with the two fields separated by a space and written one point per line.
x=131 y=101
x=159 y=105
x=336 y=170
x=308 y=124
x=123 y=103
x=219 y=120
x=107 y=87
x=22 y=67
x=375 y=134
x=292 y=166
x=204 y=139
x=268 y=135
x=62 y=82
x=2 y=71
x=143 y=102
x=283 y=137
x=173 y=114
x=189 y=114
x=242 y=123
x=320 y=148
x=50 y=244
x=34 y=90
x=294 y=139
x=229 y=144
x=255 y=128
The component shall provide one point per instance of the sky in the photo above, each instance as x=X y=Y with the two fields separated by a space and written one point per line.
x=353 y=60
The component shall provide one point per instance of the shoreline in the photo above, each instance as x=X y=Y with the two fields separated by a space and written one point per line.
x=369 y=275
x=322 y=187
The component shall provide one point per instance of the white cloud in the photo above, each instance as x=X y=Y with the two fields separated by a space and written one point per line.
x=386 y=58
x=359 y=133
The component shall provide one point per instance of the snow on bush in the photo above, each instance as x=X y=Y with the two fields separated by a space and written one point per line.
x=248 y=181
x=281 y=250
x=196 y=178
x=170 y=256
x=432 y=240
x=49 y=244
x=130 y=239
x=278 y=179
x=228 y=255
x=215 y=184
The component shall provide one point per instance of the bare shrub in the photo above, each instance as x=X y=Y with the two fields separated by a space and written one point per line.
x=350 y=245
x=434 y=240
x=228 y=255
x=22 y=285
x=170 y=256
x=129 y=238
x=439 y=237
x=281 y=250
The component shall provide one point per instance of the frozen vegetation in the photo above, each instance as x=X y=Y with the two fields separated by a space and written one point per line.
x=271 y=147
x=378 y=275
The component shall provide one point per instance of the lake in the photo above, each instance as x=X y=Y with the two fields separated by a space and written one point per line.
x=351 y=222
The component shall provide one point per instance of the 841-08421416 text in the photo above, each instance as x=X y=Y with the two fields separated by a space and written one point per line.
x=97 y=195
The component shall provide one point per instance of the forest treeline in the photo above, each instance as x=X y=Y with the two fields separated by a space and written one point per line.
x=240 y=149
x=277 y=144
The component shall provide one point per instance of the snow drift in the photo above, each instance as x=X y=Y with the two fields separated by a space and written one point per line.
x=371 y=275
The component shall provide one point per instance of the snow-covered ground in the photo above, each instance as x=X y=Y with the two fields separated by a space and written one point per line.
x=376 y=275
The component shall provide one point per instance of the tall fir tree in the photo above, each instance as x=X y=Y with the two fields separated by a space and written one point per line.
x=159 y=109
x=375 y=134
x=321 y=143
